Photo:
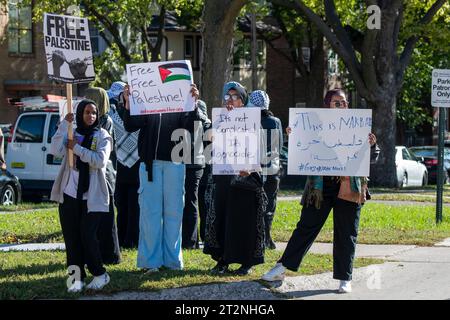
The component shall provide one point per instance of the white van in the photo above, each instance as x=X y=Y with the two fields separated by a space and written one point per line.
x=28 y=155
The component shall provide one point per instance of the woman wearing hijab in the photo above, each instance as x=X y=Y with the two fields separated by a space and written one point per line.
x=107 y=232
x=127 y=178
x=235 y=223
x=82 y=193
x=273 y=138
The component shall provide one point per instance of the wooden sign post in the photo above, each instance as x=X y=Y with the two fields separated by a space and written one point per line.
x=70 y=129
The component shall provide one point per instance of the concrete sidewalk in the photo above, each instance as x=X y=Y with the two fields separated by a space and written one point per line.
x=409 y=272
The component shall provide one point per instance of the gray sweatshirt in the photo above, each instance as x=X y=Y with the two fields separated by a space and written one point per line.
x=98 y=196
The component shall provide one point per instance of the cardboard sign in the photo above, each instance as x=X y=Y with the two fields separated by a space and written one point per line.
x=329 y=142
x=68 y=48
x=160 y=87
x=236 y=143
x=440 y=88
x=62 y=106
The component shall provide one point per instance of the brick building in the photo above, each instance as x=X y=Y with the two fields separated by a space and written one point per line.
x=23 y=71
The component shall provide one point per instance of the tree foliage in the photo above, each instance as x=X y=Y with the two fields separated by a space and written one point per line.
x=123 y=24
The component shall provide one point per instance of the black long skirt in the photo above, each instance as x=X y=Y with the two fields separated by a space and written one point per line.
x=235 y=225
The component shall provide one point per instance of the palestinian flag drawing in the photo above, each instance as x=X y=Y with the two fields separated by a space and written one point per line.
x=174 y=71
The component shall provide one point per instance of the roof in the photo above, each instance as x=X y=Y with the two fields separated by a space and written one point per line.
x=243 y=23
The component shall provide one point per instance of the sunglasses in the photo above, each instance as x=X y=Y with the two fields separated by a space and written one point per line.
x=234 y=97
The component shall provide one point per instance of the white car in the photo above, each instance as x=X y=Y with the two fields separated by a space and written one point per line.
x=28 y=155
x=410 y=171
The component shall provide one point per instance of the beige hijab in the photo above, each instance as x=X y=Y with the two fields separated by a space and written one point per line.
x=100 y=97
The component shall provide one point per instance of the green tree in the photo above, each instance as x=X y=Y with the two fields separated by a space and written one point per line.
x=376 y=59
x=123 y=24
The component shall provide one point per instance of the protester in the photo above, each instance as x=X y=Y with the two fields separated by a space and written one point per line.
x=107 y=232
x=82 y=192
x=273 y=138
x=194 y=172
x=161 y=186
x=235 y=223
x=127 y=178
x=345 y=195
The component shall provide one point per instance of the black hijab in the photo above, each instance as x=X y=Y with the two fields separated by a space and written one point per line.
x=88 y=133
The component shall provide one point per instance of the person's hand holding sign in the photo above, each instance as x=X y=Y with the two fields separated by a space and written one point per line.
x=372 y=139
x=126 y=98
x=194 y=91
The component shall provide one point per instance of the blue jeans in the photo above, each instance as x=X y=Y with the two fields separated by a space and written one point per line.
x=161 y=204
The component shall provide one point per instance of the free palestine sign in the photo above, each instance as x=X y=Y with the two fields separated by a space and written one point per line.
x=440 y=88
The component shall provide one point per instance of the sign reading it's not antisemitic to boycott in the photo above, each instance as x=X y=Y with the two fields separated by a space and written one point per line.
x=160 y=87
x=236 y=136
x=68 y=48
x=329 y=142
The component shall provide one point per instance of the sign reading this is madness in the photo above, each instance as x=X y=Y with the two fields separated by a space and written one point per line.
x=235 y=140
x=160 y=87
x=68 y=48
x=329 y=142
x=440 y=88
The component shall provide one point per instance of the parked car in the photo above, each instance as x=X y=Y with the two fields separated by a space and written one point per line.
x=410 y=171
x=10 y=189
x=28 y=155
x=429 y=154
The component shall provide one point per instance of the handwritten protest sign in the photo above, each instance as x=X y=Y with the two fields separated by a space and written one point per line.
x=160 y=87
x=329 y=142
x=68 y=48
x=235 y=140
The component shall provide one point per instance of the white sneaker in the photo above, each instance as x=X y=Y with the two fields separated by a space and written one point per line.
x=98 y=282
x=275 y=274
x=345 y=286
x=76 y=287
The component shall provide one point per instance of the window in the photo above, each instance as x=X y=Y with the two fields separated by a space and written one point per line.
x=20 y=34
x=95 y=40
x=243 y=52
x=406 y=155
x=30 y=129
x=52 y=127
x=332 y=63
x=188 y=46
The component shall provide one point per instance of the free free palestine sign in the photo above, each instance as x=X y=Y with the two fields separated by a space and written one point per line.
x=160 y=87
x=440 y=88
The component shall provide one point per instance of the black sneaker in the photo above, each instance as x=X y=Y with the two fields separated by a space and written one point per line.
x=220 y=268
x=243 y=270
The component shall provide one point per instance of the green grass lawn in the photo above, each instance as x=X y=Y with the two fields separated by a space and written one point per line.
x=42 y=275
x=379 y=224
x=30 y=227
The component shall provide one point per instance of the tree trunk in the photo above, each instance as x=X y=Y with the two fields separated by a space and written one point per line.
x=317 y=78
x=219 y=18
x=384 y=172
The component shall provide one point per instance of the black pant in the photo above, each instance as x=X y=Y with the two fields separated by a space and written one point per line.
x=346 y=221
x=190 y=212
x=202 y=205
x=79 y=228
x=271 y=186
x=127 y=214
x=107 y=236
